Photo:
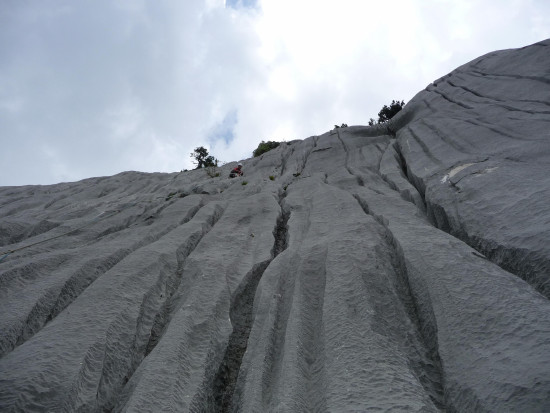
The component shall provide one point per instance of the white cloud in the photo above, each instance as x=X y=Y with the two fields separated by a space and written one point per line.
x=111 y=86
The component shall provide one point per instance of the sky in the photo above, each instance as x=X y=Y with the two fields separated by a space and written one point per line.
x=96 y=87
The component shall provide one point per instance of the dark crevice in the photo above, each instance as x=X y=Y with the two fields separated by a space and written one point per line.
x=390 y=131
x=116 y=372
x=512 y=76
x=242 y=317
x=499 y=131
x=424 y=147
x=52 y=303
x=271 y=376
x=473 y=92
x=281 y=230
x=444 y=96
x=164 y=315
x=382 y=147
x=402 y=162
x=432 y=109
x=530 y=267
x=348 y=168
x=284 y=160
x=512 y=260
x=413 y=180
x=427 y=367
x=303 y=166
x=95 y=237
x=322 y=149
x=156 y=304
x=449 y=141
x=24 y=232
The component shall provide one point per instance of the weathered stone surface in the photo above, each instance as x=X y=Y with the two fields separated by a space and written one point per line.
x=401 y=267
x=479 y=151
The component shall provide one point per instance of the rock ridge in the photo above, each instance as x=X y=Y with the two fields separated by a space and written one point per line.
x=403 y=267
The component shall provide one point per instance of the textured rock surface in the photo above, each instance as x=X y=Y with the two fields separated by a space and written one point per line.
x=402 y=267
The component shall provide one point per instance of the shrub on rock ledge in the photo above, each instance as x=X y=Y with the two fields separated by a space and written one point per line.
x=388 y=112
x=264 y=147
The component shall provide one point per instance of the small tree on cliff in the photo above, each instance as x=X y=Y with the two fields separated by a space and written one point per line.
x=202 y=159
x=388 y=112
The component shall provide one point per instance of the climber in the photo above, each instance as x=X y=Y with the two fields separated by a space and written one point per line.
x=236 y=171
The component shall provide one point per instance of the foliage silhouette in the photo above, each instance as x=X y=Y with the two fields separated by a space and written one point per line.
x=202 y=159
x=388 y=112
x=264 y=147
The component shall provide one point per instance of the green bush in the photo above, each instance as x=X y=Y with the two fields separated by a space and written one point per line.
x=244 y=183
x=388 y=112
x=271 y=177
x=264 y=147
x=212 y=172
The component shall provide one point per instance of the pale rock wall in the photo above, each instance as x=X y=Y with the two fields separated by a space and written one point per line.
x=400 y=267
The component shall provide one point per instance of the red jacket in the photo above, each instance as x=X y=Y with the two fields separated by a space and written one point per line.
x=237 y=171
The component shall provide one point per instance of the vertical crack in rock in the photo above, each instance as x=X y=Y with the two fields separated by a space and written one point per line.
x=359 y=179
x=164 y=315
x=413 y=180
x=152 y=317
x=448 y=99
x=512 y=260
x=345 y=150
x=284 y=160
x=424 y=147
x=392 y=169
x=426 y=367
x=281 y=229
x=242 y=317
x=445 y=138
x=306 y=157
x=382 y=147
x=403 y=164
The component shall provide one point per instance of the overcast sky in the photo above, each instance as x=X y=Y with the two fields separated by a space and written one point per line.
x=96 y=87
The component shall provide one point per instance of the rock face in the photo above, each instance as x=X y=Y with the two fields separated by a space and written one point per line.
x=401 y=267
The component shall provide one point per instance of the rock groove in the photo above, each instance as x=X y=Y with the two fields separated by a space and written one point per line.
x=241 y=315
